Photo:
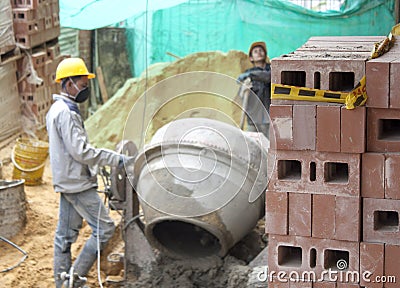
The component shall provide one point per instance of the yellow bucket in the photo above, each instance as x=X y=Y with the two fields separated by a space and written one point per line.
x=29 y=157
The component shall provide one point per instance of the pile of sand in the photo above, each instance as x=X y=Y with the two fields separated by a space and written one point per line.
x=106 y=126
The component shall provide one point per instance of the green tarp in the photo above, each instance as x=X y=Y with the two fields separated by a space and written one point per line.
x=184 y=27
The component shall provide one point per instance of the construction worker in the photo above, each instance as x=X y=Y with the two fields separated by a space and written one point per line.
x=260 y=83
x=74 y=161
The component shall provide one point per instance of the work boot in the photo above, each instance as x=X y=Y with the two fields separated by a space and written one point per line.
x=76 y=284
x=72 y=279
x=62 y=264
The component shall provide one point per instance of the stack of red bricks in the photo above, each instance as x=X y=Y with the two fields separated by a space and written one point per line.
x=318 y=217
x=36 y=28
x=10 y=114
x=380 y=179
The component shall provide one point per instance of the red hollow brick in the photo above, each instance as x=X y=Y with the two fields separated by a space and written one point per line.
x=30 y=41
x=323 y=216
x=297 y=70
x=33 y=4
x=55 y=8
x=24 y=14
x=328 y=128
x=383 y=133
x=371 y=260
x=381 y=221
x=320 y=172
x=56 y=20
x=300 y=214
x=304 y=127
x=295 y=254
x=48 y=22
x=324 y=285
x=378 y=77
x=348 y=218
x=29 y=27
x=372 y=175
x=39 y=59
x=353 y=130
x=394 y=93
x=275 y=283
x=392 y=264
x=301 y=284
x=276 y=213
x=392 y=176
x=347 y=285
x=282 y=126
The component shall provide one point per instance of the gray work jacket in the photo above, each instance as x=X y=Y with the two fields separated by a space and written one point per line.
x=74 y=162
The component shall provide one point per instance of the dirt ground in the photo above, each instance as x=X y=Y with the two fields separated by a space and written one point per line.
x=36 y=239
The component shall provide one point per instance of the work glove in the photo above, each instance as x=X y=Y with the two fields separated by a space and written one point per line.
x=243 y=76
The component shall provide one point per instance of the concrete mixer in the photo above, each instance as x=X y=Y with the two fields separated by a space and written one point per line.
x=200 y=184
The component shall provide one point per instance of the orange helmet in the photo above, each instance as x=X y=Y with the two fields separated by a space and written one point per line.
x=259 y=43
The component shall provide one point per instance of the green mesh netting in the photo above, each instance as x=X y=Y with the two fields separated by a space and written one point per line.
x=225 y=25
x=184 y=27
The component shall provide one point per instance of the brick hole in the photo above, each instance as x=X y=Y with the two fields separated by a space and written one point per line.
x=386 y=221
x=341 y=81
x=313 y=258
x=317 y=80
x=389 y=129
x=289 y=169
x=22 y=40
x=336 y=172
x=331 y=258
x=289 y=256
x=313 y=171
x=294 y=78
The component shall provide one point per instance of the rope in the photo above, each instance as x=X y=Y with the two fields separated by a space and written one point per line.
x=20 y=261
x=98 y=248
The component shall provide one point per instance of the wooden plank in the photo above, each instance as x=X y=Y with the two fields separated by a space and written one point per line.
x=102 y=85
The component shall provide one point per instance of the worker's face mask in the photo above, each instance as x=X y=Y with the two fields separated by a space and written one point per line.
x=82 y=94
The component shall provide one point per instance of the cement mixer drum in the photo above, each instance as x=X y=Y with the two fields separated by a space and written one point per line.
x=201 y=186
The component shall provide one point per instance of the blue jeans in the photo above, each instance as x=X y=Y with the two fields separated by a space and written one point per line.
x=74 y=208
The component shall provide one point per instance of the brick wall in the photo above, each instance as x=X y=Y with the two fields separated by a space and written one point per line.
x=334 y=192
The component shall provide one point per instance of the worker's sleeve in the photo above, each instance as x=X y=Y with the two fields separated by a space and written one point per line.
x=243 y=76
x=263 y=76
x=77 y=145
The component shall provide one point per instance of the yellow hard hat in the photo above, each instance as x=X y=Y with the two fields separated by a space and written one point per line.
x=72 y=67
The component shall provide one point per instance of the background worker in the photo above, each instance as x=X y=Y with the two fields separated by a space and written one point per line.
x=74 y=161
x=260 y=76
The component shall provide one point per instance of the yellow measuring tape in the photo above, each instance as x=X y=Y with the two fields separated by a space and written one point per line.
x=287 y=92
x=352 y=99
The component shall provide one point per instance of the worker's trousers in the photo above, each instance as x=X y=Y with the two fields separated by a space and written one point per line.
x=75 y=207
